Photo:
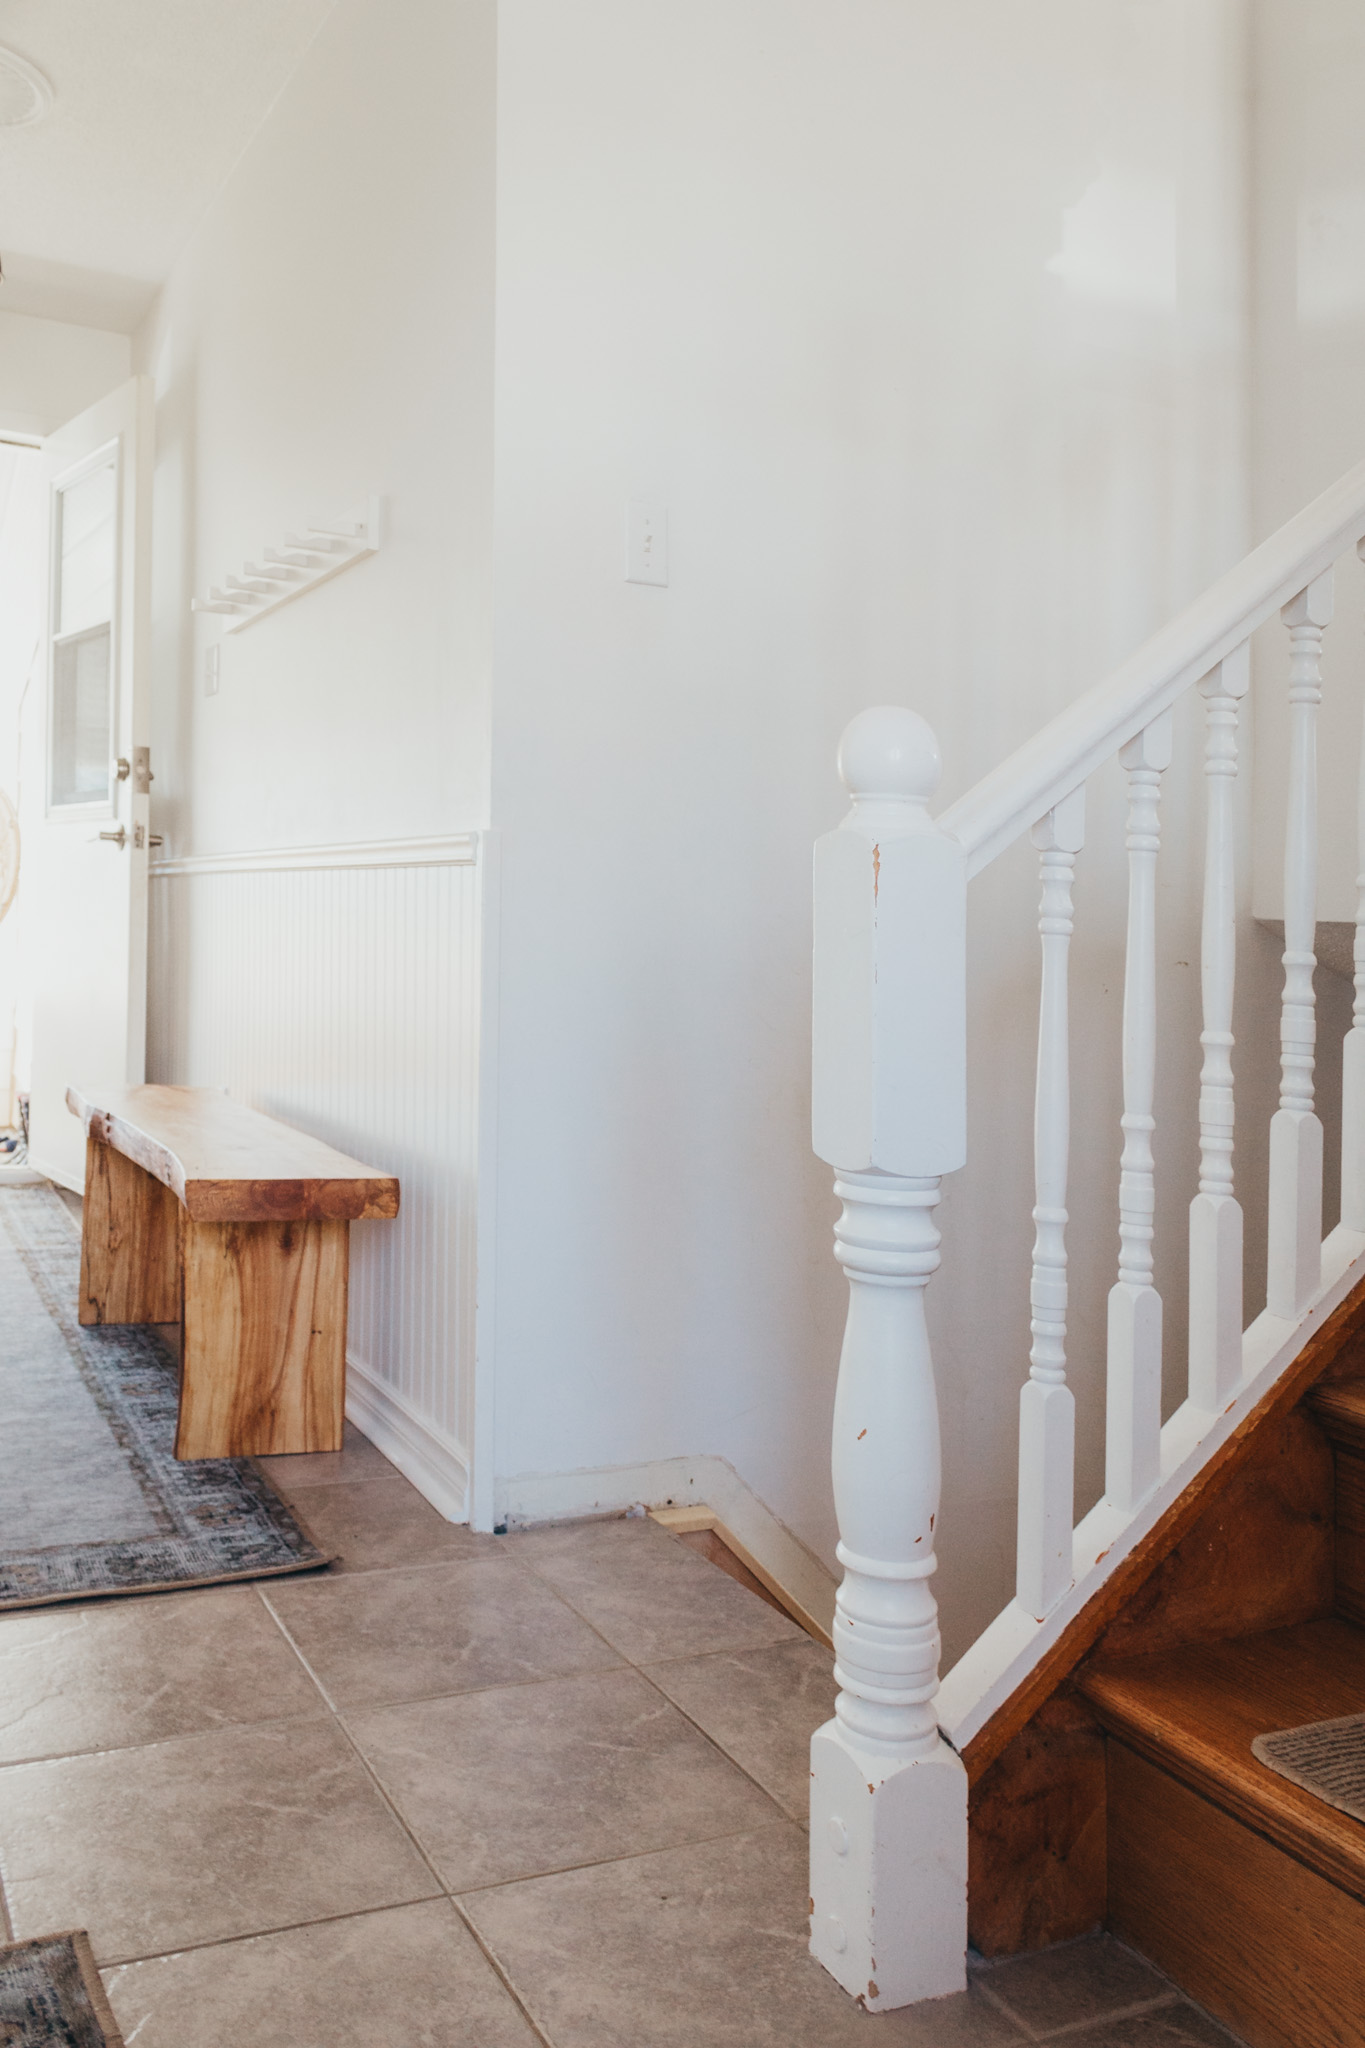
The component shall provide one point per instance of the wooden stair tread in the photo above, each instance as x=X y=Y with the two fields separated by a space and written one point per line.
x=1338 y=1407
x=1195 y=1712
x=228 y=1163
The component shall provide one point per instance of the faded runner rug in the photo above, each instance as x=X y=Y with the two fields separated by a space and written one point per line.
x=50 y=1992
x=92 y=1500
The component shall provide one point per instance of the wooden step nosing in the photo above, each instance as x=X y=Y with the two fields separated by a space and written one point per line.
x=1207 y=1771
x=1339 y=1414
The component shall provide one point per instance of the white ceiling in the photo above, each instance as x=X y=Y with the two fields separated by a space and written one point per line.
x=155 y=102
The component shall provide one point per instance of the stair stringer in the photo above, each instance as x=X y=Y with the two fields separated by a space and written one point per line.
x=1018 y=1662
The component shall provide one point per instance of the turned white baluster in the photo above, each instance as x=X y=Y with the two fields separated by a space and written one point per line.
x=1294 y=1253
x=1047 y=1407
x=1353 y=1051
x=1215 y=1212
x=1133 y=1411
x=888 y=1843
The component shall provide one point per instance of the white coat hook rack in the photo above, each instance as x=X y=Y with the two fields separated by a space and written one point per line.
x=284 y=573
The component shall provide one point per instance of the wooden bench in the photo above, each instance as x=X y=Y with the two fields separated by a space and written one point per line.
x=202 y=1212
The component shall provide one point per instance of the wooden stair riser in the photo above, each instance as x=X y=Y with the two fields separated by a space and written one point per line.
x=1350 y=1559
x=1265 y=1943
x=1260 y=1555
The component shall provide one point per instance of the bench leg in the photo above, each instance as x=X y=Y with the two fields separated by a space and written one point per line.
x=130 y=1243
x=264 y=1364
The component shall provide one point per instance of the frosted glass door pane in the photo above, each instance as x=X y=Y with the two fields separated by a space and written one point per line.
x=85 y=590
x=81 y=740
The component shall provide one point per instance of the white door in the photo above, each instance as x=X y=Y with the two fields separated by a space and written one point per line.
x=87 y=810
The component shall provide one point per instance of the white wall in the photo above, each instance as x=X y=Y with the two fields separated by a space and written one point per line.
x=927 y=324
x=23 y=587
x=51 y=370
x=1309 y=407
x=328 y=332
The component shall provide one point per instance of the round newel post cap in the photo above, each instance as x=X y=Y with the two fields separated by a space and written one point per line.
x=888 y=751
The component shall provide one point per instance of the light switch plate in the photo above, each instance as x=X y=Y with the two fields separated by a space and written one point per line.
x=646 y=541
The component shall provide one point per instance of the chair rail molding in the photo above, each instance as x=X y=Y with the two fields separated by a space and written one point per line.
x=460 y=849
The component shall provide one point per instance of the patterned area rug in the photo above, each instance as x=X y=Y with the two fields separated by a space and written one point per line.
x=50 y=1993
x=92 y=1500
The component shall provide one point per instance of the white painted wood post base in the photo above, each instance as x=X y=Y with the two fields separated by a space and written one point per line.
x=1294 y=1252
x=1215 y=1300
x=1047 y=1466
x=1133 y=1419
x=889 y=1870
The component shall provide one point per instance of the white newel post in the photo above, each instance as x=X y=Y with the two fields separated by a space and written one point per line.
x=1353 y=1051
x=1294 y=1251
x=1215 y=1212
x=888 y=1795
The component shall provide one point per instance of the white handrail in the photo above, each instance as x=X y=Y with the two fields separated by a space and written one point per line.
x=1037 y=775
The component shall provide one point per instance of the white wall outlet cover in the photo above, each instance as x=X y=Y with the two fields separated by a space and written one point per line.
x=646 y=541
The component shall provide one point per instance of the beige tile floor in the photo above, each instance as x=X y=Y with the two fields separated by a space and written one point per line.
x=463 y=1792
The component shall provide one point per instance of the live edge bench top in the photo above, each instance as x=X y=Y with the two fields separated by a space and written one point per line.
x=228 y=1163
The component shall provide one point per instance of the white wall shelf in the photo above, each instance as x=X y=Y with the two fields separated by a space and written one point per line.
x=304 y=561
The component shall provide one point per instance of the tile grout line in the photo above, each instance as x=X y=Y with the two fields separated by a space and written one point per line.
x=357 y=1752
x=402 y=1823
x=1165 y=2003
x=723 y=1650
x=327 y=1705
x=794 y=1819
x=64 y=1756
x=442 y=1898
x=780 y=1818
x=499 y=1884
x=495 y=1965
x=191 y=1948
x=726 y=1650
x=624 y=1662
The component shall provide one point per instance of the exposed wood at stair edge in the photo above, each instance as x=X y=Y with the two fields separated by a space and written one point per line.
x=1035 y=1876
x=1325 y=1353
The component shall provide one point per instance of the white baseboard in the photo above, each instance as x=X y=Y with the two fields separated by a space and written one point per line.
x=21 y=1177
x=437 y=1464
x=57 y=1174
x=680 y=1482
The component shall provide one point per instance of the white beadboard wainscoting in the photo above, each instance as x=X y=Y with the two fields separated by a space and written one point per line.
x=343 y=989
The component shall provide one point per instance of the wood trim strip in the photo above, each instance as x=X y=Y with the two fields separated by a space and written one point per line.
x=460 y=849
x=685 y=1520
